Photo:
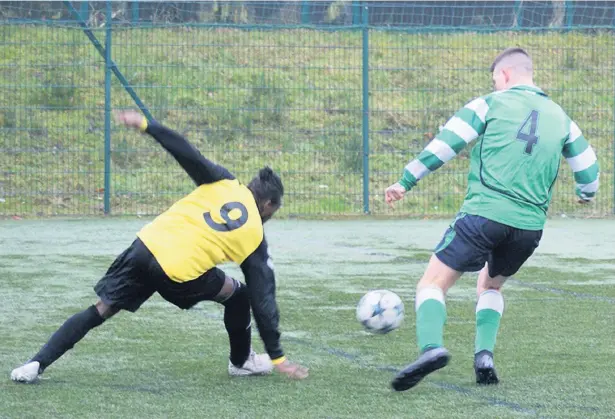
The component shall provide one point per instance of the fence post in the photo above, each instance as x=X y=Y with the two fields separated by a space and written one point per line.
x=135 y=12
x=365 y=88
x=114 y=68
x=518 y=13
x=83 y=11
x=569 y=14
x=305 y=12
x=108 y=66
x=356 y=12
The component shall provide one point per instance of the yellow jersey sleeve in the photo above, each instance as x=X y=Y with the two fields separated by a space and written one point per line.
x=218 y=222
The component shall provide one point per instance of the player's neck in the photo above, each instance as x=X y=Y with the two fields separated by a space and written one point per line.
x=522 y=82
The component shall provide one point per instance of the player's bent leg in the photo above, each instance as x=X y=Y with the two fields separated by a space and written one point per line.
x=489 y=310
x=430 y=318
x=505 y=260
x=125 y=286
x=214 y=285
x=486 y=283
x=237 y=320
x=465 y=247
x=438 y=275
x=430 y=304
x=106 y=311
x=71 y=332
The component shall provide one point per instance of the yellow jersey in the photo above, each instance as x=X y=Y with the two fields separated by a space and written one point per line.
x=218 y=222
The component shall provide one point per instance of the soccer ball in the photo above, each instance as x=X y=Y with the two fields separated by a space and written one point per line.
x=380 y=311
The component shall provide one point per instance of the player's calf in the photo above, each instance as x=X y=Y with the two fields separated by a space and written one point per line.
x=430 y=303
x=71 y=332
x=489 y=310
x=430 y=309
x=237 y=320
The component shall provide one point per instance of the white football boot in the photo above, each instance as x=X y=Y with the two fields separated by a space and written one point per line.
x=256 y=364
x=27 y=373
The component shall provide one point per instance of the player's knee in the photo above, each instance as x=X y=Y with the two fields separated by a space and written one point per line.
x=231 y=290
x=227 y=290
x=438 y=275
x=487 y=283
x=488 y=287
x=105 y=311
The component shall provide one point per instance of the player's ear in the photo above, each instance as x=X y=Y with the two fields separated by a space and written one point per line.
x=262 y=206
x=506 y=73
x=267 y=209
x=270 y=206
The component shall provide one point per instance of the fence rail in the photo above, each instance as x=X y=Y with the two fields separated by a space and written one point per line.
x=335 y=95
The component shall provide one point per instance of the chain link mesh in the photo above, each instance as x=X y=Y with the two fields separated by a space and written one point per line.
x=280 y=83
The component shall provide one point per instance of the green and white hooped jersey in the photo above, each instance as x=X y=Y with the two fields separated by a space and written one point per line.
x=515 y=163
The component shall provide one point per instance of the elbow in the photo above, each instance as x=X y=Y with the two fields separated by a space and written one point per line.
x=587 y=192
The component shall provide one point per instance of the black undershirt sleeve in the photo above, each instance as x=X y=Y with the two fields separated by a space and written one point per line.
x=200 y=169
x=260 y=279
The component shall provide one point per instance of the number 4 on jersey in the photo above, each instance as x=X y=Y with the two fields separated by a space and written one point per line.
x=527 y=132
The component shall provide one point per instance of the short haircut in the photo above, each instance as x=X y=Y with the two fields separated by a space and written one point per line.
x=517 y=57
x=267 y=186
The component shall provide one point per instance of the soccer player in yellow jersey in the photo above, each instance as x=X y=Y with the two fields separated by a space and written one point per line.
x=176 y=255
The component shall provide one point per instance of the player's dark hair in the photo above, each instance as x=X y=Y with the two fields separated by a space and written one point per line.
x=267 y=186
x=507 y=52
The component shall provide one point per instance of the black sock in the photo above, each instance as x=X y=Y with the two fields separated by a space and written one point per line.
x=237 y=322
x=71 y=332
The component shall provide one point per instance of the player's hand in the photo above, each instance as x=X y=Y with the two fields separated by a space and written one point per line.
x=394 y=193
x=294 y=371
x=131 y=119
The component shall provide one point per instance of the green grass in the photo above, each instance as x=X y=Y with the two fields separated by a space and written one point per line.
x=289 y=98
x=553 y=353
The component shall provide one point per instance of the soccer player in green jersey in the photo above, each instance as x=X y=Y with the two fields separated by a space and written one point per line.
x=522 y=135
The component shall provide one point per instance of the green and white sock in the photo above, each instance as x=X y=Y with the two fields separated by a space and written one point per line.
x=430 y=318
x=489 y=309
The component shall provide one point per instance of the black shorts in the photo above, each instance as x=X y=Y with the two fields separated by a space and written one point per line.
x=472 y=240
x=135 y=275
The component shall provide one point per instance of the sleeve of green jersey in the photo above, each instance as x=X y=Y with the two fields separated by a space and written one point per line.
x=463 y=128
x=582 y=159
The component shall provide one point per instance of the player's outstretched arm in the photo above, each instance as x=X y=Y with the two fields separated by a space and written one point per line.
x=260 y=279
x=200 y=169
x=463 y=128
x=584 y=164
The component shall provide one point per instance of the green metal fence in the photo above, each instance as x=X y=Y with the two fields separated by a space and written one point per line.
x=336 y=96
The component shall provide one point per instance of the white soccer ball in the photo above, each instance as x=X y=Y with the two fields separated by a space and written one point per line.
x=380 y=311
